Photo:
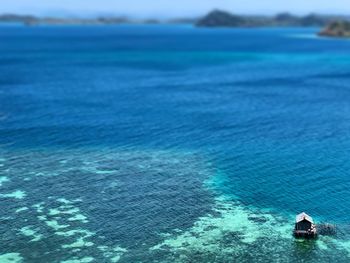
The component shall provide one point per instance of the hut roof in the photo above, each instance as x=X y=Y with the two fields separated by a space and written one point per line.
x=303 y=216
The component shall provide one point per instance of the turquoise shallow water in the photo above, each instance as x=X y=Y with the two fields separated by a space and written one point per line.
x=171 y=143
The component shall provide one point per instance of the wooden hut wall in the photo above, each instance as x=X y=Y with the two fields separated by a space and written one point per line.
x=303 y=225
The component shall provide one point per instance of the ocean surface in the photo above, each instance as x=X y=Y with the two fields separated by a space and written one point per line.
x=172 y=144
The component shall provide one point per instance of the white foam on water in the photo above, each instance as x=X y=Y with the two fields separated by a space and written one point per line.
x=64 y=216
x=65 y=210
x=55 y=225
x=79 y=260
x=342 y=244
x=64 y=201
x=80 y=242
x=28 y=231
x=104 y=172
x=322 y=244
x=58 y=217
x=11 y=258
x=42 y=218
x=19 y=210
x=113 y=254
x=3 y=179
x=54 y=212
x=233 y=230
x=68 y=209
x=69 y=233
x=79 y=217
x=244 y=227
x=18 y=194
x=39 y=207
x=230 y=229
x=208 y=232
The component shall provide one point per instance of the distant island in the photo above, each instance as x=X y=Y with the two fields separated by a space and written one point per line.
x=215 y=18
x=337 y=29
x=218 y=18
x=110 y=20
x=33 y=20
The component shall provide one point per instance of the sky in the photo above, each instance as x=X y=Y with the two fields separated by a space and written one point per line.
x=170 y=8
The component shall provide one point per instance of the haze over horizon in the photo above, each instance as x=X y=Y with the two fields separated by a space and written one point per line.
x=166 y=9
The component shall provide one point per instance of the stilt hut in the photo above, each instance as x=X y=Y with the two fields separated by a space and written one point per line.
x=304 y=226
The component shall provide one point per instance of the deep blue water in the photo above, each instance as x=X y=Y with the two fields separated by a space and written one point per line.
x=171 y=143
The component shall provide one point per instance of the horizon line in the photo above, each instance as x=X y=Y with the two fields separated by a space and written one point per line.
x=89 y=14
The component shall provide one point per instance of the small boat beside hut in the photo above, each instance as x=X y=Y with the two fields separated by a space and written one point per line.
x=304 y=226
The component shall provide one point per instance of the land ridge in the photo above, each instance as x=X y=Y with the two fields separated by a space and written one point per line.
x=215 y=18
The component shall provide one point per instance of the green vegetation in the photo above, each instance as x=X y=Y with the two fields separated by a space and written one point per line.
x=337 y=29
x=215 y=18
x=218 y=18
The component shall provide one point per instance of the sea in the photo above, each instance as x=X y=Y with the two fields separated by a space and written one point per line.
x=171 y=143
